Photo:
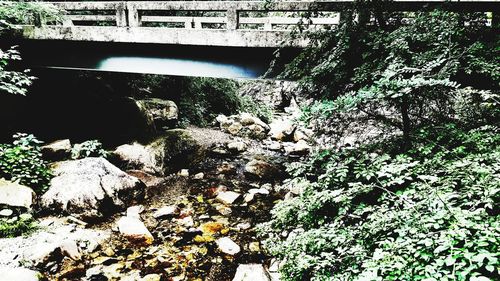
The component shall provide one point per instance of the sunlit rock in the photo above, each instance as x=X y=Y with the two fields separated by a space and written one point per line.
x=134 y=230
x=19 y=274
x=163 y=113
x=90 y=188
x=227 y=246
x=262 y=170
x=15 y=195
x=237 y=146
x=57 y=150
x=251 y=272
x=227 y=197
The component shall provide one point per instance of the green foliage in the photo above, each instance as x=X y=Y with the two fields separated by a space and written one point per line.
x=23 y=225
x=13 y=82
x=90 y=148
x=30 y=12
x=404 y=75
x=261 y=110
x=22 y=161
x=374 y=214
x=204 y=98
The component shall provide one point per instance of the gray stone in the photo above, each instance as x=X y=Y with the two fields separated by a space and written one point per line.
x=251 y=272
x=227 y=197
x=90 y=188
x=281 y=129
x=15 y=195
x=19 y=274
x=163 y=113
x=227 y=246
x=57 y=150
x=134 y=230
x=300 y=148
x=70 y=249
x=136 y=156
x=135 y=211
x=258 y=191
x=199 y=176
x=235 y=128
x=6 y=213
x=166 y=212
x=262 y=170
x=237 y=146
x=40 y=246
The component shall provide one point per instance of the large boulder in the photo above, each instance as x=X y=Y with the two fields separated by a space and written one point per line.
x=176 y=149
x=19 y=273
x=163 y=113
x=263 y=170
x=243 y=125
x=90 y=188
x=251 y=272
x=15 y=195
x=57 y=150
x=136 y=156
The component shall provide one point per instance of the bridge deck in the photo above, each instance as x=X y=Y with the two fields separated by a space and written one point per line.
x=208 y=23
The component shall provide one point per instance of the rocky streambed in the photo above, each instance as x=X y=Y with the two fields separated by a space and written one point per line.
x=182 y=207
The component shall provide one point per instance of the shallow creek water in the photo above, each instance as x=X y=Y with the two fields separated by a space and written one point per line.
x=184 y=247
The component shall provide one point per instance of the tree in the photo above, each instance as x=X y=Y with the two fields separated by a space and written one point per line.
x=13 y=81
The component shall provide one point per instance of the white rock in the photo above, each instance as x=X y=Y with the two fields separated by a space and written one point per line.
x=227 y=246
x=227 y=197
x=300 y=148
x=15 y=195
x=281 y=129
x=57 y=150
x=235 y=128
x=244 y=226
x=134 y=230
x=258 y=191
x=135 y=211
x=89 y=188
x=237 y=146
x=19 y=274
x=275 y=146
x=70 y=249
x=249 y=197
x=184 y=173
x=199 y=176
x=251 y=272
x=6 y=213
x=166 y=211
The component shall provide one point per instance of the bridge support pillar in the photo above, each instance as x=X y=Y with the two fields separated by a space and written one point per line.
x=121 y=15
x=133 y=15
x=232 y=19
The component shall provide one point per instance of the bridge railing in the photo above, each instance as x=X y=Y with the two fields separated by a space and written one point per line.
x=230 y=15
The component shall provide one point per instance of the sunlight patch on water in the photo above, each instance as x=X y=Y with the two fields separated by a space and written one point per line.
x=173 y=66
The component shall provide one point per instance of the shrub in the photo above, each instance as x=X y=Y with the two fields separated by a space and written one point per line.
x=367 y=215
x=22 y=161
x=23 y=225
x=263 y=111
x=90 y=148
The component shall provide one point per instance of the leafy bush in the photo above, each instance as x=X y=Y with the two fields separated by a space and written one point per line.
x=261 y=110
x=368 y=214
x=13 y=82
x=90 y=148
x=23 y=225
x=22 y=161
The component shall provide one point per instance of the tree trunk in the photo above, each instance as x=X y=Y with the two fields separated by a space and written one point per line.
x=406 y=123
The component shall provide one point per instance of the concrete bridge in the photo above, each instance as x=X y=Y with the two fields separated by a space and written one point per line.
x=208 y=23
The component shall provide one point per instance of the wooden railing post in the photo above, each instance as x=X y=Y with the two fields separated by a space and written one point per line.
x=232 y=19
x=133 y=15
x=121 y=15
